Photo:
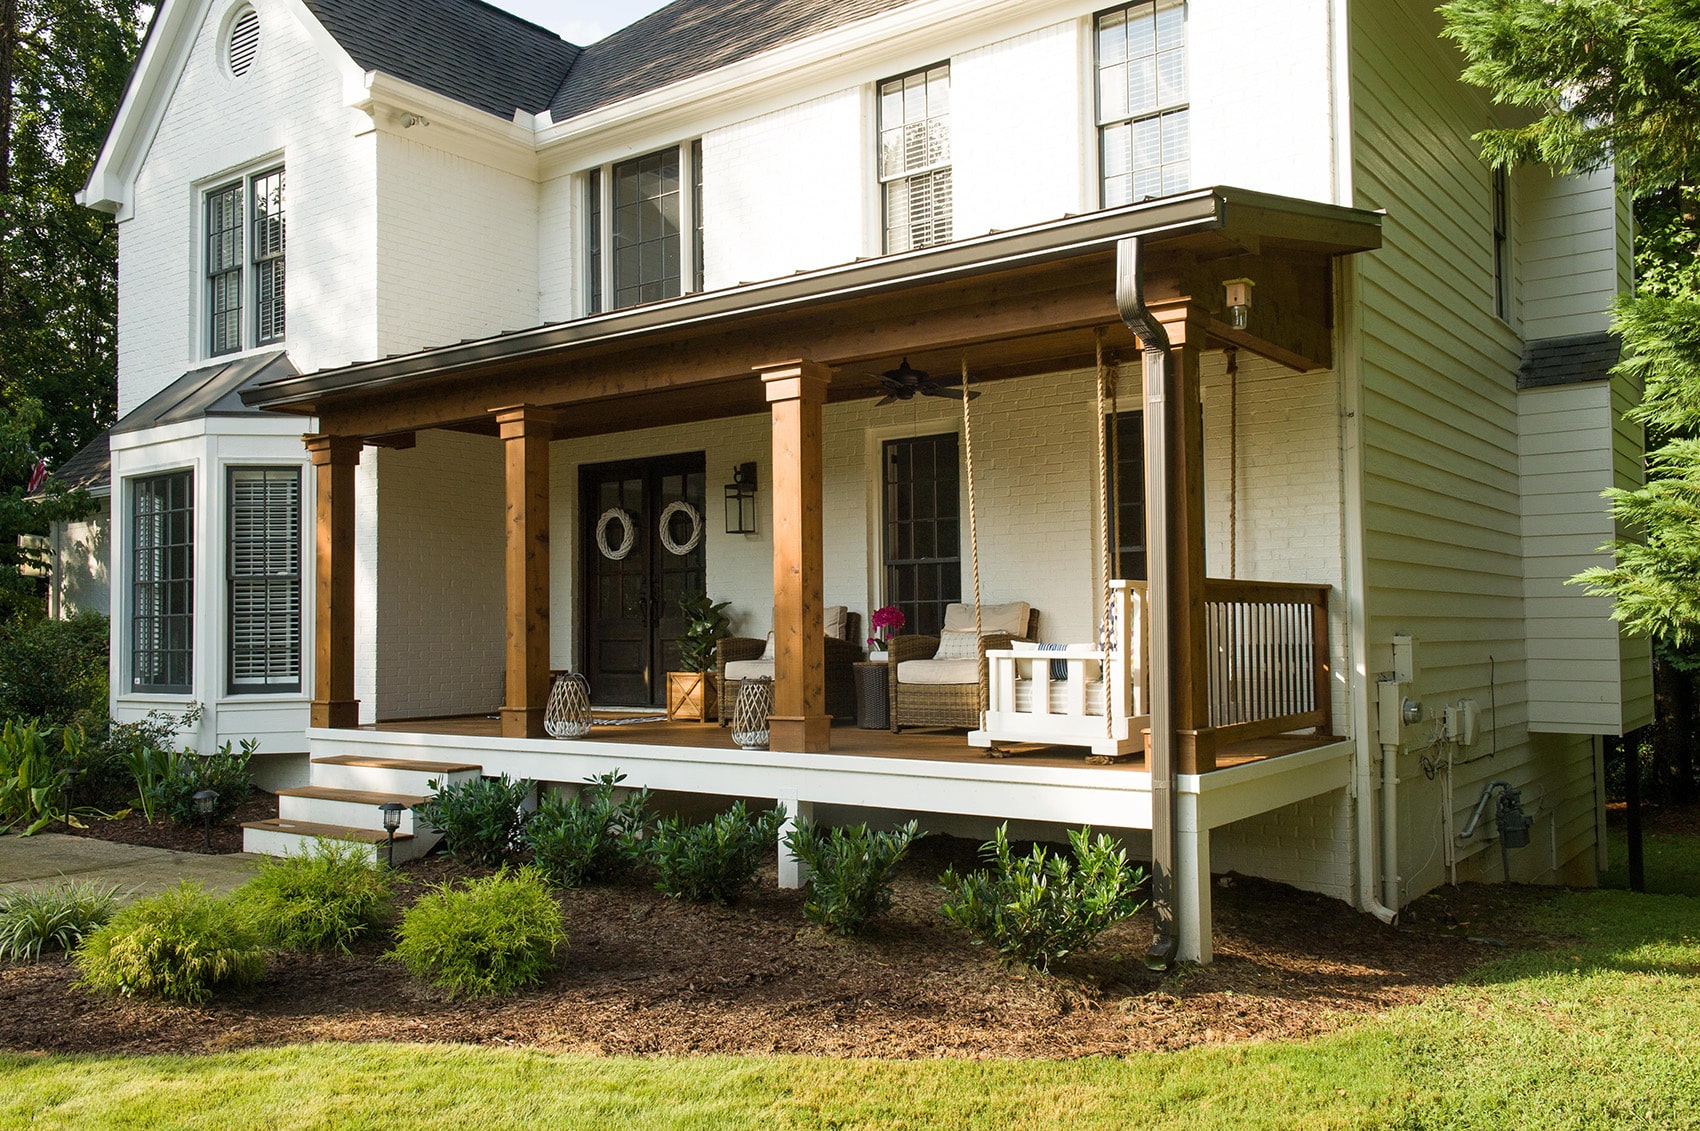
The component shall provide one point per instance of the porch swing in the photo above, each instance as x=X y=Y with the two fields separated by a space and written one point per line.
x=1090 y=695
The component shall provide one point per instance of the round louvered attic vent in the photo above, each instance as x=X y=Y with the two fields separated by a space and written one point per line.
x=244 y=42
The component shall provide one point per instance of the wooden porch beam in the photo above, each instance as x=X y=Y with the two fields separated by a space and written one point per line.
x=1189 y=667
x=795 y=392
x=334 y=459
x=526 y=431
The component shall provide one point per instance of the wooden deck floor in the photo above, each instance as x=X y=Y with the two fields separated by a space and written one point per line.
x=939 y=746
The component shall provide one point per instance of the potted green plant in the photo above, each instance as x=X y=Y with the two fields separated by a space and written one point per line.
x=691 y=692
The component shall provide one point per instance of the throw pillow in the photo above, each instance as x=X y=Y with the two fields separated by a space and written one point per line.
x=958 y=646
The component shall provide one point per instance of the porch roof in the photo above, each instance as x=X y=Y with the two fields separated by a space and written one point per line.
x=1016 y=302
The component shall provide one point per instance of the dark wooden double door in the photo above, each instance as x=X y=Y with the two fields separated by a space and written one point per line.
x=632 y=621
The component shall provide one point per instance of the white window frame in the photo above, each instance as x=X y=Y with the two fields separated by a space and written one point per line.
x=250 y=268
x=133 y=580
x=1164 y=114
x=598 y=227
x=290 y=678
x=894 y=180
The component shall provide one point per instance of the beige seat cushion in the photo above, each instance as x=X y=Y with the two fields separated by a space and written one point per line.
x=937 y=672
x=1008 y=618
x=749 y=669
x=834 y=616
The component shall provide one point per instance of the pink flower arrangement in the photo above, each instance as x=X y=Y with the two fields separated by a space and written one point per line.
x=886 y=621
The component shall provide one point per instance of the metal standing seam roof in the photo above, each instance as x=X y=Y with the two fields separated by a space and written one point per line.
x=1569 y=360
x=213 y=390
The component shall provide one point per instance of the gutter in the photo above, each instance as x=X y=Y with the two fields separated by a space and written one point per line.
x=1154 y=340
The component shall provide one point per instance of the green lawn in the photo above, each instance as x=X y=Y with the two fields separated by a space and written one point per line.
x=1669 y=864
x=1603 y=1031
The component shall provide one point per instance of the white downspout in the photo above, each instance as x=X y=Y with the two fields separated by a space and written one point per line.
x=1387 y=909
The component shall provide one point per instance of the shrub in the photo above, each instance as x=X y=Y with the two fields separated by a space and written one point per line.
x=591 y=836
x=1040 y=908
x=32 y=781
x=53 y=670
x=323 y=899
x=850 y=872
x=481 y=819
x=181 y=945
x=186 y=773
x=716 y=860
x=488 y=936
x=52 y=918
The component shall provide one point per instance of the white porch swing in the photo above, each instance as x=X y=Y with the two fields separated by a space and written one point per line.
x=1090 y=695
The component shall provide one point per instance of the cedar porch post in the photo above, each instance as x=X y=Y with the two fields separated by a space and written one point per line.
x=334 y=459
x=1189 y=668
x=526 y=432
x=796 y=390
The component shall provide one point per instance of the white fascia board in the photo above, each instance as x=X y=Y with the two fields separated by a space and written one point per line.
x=112 y=181
x=446 y=123
x=923 y=33
x=125 y=442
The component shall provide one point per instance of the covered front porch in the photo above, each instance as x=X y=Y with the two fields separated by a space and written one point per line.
x=1239 y=660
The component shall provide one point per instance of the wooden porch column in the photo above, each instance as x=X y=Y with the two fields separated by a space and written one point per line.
x=334 y=459
x=796 y=390
x=526 y=432
x=1189 y=665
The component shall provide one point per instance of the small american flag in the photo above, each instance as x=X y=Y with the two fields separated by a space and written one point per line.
x=38 y=476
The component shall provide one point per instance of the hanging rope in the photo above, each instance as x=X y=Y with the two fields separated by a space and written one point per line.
x=1233 y=462
x=973 y=527
x=1106 y=630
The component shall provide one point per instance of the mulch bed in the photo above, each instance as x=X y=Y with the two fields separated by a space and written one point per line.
x=645 y=974
x=164 y=833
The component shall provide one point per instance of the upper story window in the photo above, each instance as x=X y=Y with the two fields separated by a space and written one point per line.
x=914 y=158
x=162 y=583
x=1144 y=144
x=244 y=263
x=637 y=211
x=1501 y=245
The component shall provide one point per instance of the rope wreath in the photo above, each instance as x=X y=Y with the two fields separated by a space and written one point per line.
x=628 y=534
x=680 y=549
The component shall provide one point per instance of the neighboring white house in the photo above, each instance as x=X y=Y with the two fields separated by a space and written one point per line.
x=529 y=284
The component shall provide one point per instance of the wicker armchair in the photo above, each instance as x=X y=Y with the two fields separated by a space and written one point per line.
x=948 y=704
x=841 y=658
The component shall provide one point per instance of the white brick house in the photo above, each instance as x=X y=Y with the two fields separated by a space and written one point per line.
x=525 y=280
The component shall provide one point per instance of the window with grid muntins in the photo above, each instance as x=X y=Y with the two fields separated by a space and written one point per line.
x=593 y=188
x=914 y=158
x=224 y=269
x=162 y=583
x=646 y=228
x=265 y=579
x=1127 y=494
x=267 y=197
x=922 y=513
x=696 y=215
x=1144 y=142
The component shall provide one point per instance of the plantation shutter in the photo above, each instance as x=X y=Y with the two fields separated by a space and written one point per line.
x=265 y=579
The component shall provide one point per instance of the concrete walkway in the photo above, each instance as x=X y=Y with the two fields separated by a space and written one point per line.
x=49 y=858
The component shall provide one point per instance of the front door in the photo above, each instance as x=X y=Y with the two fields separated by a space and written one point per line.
x=643 y=526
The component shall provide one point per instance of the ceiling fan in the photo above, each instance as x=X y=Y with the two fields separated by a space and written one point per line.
x=904 y=382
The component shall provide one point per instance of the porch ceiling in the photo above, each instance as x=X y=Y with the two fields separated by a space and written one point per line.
x=1011 y=304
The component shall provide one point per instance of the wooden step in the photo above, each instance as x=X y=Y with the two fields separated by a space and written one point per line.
x=353 y=796
x=398 y=764
x=329 y=832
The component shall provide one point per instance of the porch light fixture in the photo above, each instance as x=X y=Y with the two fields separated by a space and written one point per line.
x=205 y=800
x=741 y=500
x=1239 y=301
x=392 y=822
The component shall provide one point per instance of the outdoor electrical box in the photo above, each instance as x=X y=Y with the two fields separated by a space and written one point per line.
x=1395 y=710
x=1404 y=658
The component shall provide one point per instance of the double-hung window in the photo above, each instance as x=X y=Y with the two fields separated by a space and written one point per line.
x=244 y=263
x=914 y=158
x=265 y=579
x=1143 y=141
x=637 y=213
x=162 y=583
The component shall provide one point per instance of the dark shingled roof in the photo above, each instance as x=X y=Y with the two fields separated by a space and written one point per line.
x=209 y=391
x=691 y=37
x=91 y=467
x=463 y=49
x=1567 y=361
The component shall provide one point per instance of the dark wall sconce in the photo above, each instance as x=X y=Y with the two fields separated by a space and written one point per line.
x=741 y=500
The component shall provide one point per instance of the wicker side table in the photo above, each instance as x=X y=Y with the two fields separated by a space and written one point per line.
x=871 y=707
